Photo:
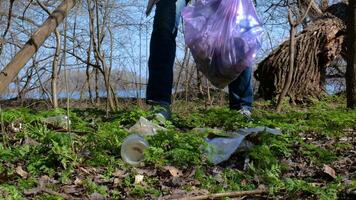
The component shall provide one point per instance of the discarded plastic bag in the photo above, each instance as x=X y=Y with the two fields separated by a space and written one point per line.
x=58 y=122
x=219 y=149
x=145 y=127
x=223 y=37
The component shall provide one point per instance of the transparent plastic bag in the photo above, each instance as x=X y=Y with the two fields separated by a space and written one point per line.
x=58 y=122
x=223 y=37
x=145 y=127
x=220 y=148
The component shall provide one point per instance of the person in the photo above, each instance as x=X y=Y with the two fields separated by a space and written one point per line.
x=161 y=61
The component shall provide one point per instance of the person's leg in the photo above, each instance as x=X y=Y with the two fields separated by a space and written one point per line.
x=162 y=51
x=241 y=91
x=162 y=55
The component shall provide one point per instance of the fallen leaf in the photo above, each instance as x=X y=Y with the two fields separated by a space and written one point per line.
x=178 y=181
x=54 y=193
x=317 y=184
x=84 y=170
x=178 y=191
x=173 y=171
x=70 y=189
x=138 y=179
x=32 y=191
x=3 y=176
x=30 y=141
x=15 y=127
x=192 y=173
x=98 y=179
x=262 y=187
x=116 y=182
x=96 y=196
x=148 y=172
x=21 y=172
x=330 y=171
x=93 y=169
x=78 y=181
x=119 y=173
x=43 y=181
x=218 y=178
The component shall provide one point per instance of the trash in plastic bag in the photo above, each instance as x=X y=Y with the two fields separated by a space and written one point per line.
x=219 y=149
x=58 y=122
x=133 y=147
x=223 y=37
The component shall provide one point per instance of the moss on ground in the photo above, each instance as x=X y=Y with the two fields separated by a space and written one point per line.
x=88 y=158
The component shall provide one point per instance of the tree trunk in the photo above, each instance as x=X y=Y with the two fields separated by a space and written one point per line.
x=99 y=57
x=200 y=93
x=185 y=63
x=288 y=80
x=351 y=66
x=293 y=25
x=87 y=72
x=8 y=25
x=55 y=70
x=97 y=95
x=316 y=47
x=34 y=43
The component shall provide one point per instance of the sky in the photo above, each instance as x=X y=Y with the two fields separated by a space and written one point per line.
x=131 y=47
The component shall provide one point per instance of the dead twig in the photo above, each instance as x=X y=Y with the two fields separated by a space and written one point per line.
x=226 y=194
x=39 y=190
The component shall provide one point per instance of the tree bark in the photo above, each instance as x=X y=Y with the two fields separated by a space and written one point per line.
x=7 y=26
x=185 y=63
x=316 y=47
x=96 y=41
x=87 y=72
x=55 y=62
x=351 y=66
x=293 y=25
x=313 y=11
x=288 y=81
x=34 y=43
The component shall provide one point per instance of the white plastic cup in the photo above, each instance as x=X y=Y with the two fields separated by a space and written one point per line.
x=132 y=149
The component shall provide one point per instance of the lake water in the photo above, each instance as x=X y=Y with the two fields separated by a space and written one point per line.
x=331 y=88
x=132 y=93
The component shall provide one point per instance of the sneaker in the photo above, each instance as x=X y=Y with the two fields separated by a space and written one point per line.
x=245 y=112
x=161 y=112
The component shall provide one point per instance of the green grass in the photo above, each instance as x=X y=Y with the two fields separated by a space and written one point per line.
x=95 y=143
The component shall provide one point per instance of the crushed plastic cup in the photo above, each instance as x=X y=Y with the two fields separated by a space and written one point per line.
x=132 y=149
x=60 y=121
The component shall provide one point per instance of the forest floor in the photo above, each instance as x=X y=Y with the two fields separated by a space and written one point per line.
x=314 y=158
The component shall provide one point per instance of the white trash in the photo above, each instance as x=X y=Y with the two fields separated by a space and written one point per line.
x=133 y=148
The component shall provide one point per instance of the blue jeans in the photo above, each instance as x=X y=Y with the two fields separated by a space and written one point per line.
x=162 y=56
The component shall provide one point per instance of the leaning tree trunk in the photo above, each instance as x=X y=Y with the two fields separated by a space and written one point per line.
x=351 y=65
x=34 y=43
x=316 y=47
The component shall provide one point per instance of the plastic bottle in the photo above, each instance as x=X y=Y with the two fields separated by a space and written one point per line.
x=132 y=149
